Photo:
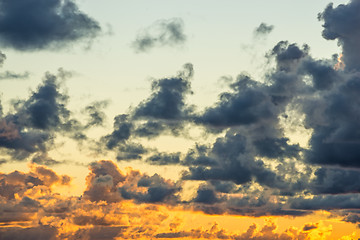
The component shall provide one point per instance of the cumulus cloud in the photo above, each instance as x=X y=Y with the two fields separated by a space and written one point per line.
x=342 y=23
x=31 y=126
x=49 y=25
x=162 y=33
x=165 y=111
x=168 y=97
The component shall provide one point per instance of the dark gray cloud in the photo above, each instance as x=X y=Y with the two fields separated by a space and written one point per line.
x=50 y=24
x=32 y=125
x=199 y=156
x=276 y=148
x=96 y=116
x=335 y=181
x=232 y=160
x=322 y=72
x=342 y=23
x=333 y=120
x=158 y=190
x=162 y=33
x=167 y=100
x=263 y=29
x=121 y=132
x=130 y=151
x=327 y=202
x=164 y=158
x=245 y=105
x=206 y=195
x=45 y=109
x=151 y=129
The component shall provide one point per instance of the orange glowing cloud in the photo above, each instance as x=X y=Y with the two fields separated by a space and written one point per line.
x=29 y=208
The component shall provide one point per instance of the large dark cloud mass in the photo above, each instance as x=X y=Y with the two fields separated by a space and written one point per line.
x=254 y=149
x=39 y=24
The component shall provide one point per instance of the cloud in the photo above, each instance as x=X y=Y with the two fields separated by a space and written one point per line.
x=165 y=111
x=246 y=104
x=96 y=116
x=252 y=167
x=310 y=226
x=12 y=75
x=332 y=118
x=327 y=202
x=18 y=184
x=164 y=158
x=32 y=125
x=9 y=74
x=267 y=232
x=167 y=100
x=130 y=205
x=121 y=132
x=31 y=233
x=206 y=195
x=342 y=23
x=45 y=159
x=107 y=183
x=335 y=181
x=162 y=33
x=50 y=25
x=2 y=58
x=263 y=29
x=42 y=114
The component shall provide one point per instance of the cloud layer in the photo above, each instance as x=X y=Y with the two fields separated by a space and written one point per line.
x=253 y=167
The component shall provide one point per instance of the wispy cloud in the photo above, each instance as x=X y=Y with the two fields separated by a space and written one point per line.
x=162 y=33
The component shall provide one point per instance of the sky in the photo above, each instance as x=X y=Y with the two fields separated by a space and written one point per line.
x=179 y=119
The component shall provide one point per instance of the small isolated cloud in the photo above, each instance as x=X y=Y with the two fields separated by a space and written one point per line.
x=43 y=24
x=263 y=29
x=9 y=75
x=162 y=33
